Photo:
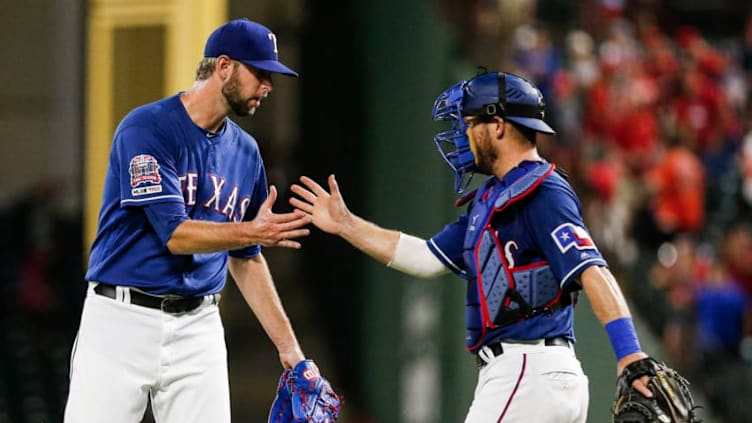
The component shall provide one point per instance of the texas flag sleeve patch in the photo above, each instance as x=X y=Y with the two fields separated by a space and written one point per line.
x=569 y=235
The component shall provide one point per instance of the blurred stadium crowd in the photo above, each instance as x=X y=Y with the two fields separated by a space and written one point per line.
x=655 y=129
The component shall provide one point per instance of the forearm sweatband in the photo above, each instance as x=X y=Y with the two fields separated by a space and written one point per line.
x=623 y=337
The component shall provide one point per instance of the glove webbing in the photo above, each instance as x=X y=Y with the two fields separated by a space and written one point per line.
x=637 y=369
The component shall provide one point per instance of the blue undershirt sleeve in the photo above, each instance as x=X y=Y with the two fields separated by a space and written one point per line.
x=165 y=218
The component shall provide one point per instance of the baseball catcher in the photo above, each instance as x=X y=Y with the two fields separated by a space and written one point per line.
x=303 y=395
x=672 y=401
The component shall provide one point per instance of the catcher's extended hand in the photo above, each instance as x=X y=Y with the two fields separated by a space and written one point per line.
x=303 y=395
x=672 y=400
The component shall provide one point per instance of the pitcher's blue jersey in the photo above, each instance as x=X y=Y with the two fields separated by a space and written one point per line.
x=159 y=155
x=545 y=226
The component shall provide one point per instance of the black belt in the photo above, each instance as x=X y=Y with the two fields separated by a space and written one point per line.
x=497 y=349
x=166 y=304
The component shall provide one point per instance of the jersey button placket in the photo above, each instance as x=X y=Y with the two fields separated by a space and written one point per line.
x=211 y=159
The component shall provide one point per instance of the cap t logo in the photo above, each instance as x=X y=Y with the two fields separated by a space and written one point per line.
x=273 y=38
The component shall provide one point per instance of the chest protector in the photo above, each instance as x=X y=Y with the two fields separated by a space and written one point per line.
x=498 y=295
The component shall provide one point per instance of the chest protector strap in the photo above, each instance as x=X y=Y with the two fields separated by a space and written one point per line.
x=510 y=295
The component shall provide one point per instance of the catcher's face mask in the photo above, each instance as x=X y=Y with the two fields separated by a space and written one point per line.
x=454 y=144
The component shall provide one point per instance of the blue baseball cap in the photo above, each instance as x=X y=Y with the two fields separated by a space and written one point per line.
x=248 y=42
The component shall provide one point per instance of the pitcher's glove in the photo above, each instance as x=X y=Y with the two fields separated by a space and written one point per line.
x=672 y=401
x=303 y=395
x=281 y=410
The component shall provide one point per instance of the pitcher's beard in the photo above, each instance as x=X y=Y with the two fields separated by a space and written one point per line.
x=231 y=92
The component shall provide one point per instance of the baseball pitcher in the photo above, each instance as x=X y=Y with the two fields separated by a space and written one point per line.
x=185 y=199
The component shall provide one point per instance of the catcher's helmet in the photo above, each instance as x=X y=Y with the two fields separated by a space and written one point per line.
x=493 y=94
x=507 y=95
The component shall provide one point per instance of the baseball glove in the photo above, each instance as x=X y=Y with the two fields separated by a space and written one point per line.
x=303 y=395
x=672 y=400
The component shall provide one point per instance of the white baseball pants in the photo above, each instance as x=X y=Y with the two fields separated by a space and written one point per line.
x=125 y=352
x=531 y=383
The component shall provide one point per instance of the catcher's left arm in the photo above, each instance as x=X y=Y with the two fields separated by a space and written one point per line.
x=647 y=391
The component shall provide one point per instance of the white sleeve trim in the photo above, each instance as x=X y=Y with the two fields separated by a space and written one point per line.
x=159 y=197
x=565 y=279
x=446 y=259
x=412 y=256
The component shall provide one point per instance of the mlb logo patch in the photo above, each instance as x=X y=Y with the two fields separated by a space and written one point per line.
x=144 y=169
x=569 y=235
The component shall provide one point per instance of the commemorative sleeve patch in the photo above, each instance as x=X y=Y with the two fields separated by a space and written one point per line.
x=144 y=170
x=569 y=235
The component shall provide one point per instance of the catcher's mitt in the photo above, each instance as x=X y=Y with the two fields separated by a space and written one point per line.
x=672 y=401
x=303 y=395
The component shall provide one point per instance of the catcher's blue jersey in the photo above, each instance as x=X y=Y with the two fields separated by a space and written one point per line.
x=160 y=155
x=545 y=226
